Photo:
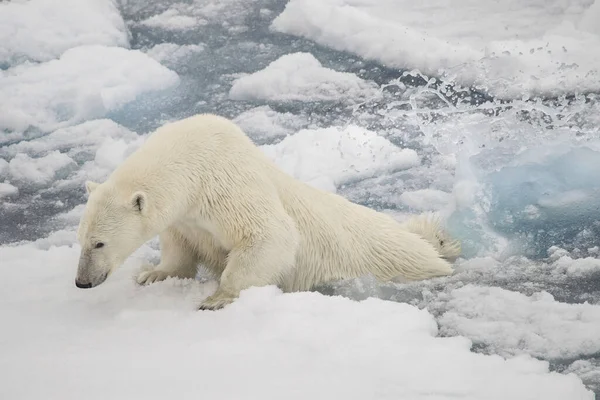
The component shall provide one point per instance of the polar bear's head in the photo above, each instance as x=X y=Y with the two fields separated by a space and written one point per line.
x=113 y=226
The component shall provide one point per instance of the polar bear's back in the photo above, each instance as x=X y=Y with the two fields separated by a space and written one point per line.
x=191 y=152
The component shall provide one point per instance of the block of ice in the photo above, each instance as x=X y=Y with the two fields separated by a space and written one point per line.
x=393 y=347
x=172 y=19
x=171 y=54
x=510 y=48
x=512 y=323
x=3 y=167
x=301 y=77
x=263 y=123
x=38 y=171
x=76 y=141
x=85 y=82
x=329 y=157
x=41 y=30
x=6 y=190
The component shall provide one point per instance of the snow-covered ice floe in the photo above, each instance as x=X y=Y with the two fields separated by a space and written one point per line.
x=41 y=30
x=85 y=82
x=301 y=77
x=125 y=341
x=263 y=123
x=510 y=48
x=328 y=158
x=511 y=323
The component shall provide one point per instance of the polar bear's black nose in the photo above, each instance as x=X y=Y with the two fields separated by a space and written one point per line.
x=83 y=285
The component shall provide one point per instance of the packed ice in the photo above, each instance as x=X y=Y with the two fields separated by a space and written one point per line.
x=41 y=30
x=513 y=323
x=86 y=82
x=337 y=156
x=301 y=77
x=263 y=123
x=511 y=48
x=170 y=54
x=486 y=113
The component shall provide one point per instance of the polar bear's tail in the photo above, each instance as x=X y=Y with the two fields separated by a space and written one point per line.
x=429 y=227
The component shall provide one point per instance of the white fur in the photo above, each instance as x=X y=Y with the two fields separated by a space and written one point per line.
x=429 y=227
x=215 y=199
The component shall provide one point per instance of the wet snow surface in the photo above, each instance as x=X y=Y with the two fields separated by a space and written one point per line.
x=486 y=113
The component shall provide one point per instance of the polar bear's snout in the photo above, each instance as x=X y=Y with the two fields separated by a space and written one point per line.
x=83 y=285
x=88 y=274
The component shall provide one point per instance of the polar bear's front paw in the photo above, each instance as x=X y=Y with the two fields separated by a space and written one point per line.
x=147 y=277
x=216 y=301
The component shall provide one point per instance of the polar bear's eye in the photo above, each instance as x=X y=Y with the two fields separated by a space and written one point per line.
x=99 y=245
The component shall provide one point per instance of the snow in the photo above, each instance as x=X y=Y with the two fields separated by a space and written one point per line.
x=73 y=140
x=301 y=77
x=563 y=263
x=3 y=167
x=587 y=370
x=511 y=48
x=330 y=157
x=41 y=30
x=68 y=156
x=263 y=123
x=38 y=171
x=172 y=20
x=6 y=190
x=266 y=343
x=511 y=323
x=170 y=54
x=85 y=82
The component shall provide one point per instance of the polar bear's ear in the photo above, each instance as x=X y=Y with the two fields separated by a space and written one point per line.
x=91 y=186
x=139 y=201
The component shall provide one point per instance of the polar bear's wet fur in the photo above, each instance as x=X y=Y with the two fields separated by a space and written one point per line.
x=216 y=200
x=429 y=227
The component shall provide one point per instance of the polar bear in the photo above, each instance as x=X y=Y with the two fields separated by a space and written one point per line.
x=216 y=200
